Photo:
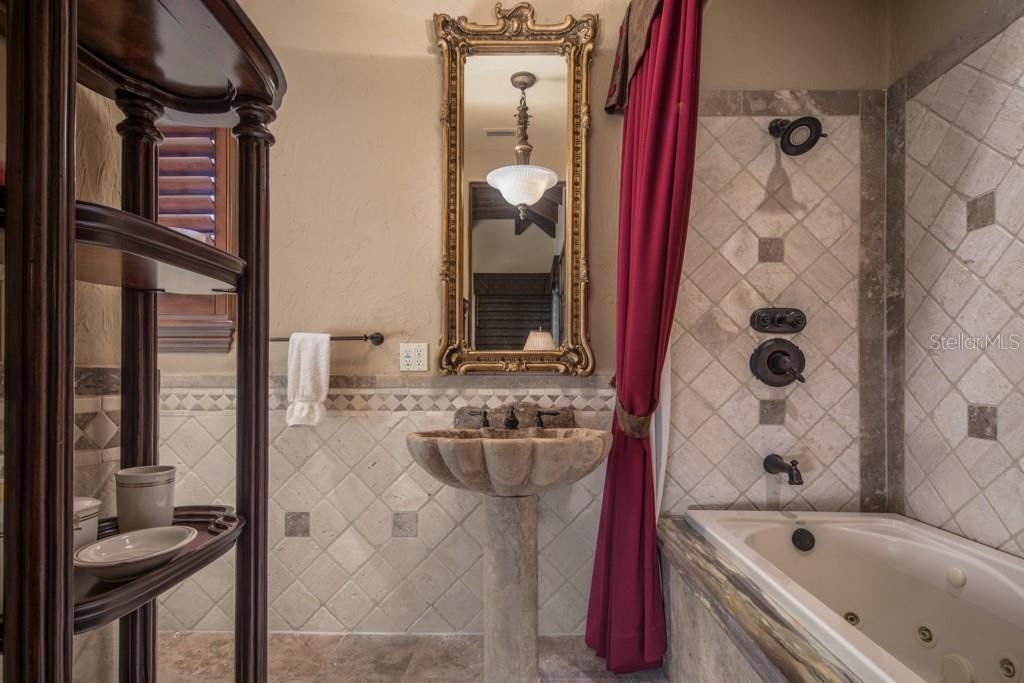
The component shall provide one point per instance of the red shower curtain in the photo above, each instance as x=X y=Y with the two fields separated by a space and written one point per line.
x=626 y=618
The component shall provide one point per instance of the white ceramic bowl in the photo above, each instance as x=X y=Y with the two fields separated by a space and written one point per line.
x=133 y=553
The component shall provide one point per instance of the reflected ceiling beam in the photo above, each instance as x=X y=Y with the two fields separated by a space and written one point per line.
x=486 y=203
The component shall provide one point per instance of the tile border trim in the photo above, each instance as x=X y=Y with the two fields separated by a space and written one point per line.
x=779 y=102
x=871 y=303
x=894 y=301
x=398 y=400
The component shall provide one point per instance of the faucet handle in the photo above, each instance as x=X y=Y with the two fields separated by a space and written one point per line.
x=538 y=420
x=795 y=477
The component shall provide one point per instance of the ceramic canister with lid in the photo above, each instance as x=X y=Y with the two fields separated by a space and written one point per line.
x=86 y=517
x=145 y=497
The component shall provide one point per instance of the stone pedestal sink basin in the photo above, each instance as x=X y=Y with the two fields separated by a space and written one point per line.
x=509 y=462
x=510 y=466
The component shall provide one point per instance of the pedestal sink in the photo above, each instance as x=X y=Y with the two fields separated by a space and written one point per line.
x=510 y=466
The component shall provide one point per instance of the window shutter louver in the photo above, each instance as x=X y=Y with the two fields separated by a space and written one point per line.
x=188 y=181
x=195 y=188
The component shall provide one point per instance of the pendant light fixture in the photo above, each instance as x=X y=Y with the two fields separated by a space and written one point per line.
x=522 y=184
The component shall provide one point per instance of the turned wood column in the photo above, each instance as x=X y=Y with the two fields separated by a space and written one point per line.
x=140 y=375
x=254 y=141
x=39 y=336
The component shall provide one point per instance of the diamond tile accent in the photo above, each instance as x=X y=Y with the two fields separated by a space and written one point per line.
x=981 y=211
x=296 y=524
x=405 y=524
x=771 y=250
x=983 y=422
x=772 y=411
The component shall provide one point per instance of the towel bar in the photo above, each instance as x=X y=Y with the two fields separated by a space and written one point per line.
x=375 y=338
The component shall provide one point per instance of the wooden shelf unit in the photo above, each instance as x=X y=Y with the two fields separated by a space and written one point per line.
x=120 y=249
x=188 y=61
x=98 y=603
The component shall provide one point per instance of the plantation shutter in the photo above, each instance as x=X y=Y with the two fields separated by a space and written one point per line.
x=188 y=181
x=195 y=197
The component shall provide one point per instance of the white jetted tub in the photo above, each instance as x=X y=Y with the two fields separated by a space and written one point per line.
x=893 y=599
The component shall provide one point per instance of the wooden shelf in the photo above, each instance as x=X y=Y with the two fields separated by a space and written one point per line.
x=189 y=61
x=101 y=602
x=194 y=58
x=120 y=249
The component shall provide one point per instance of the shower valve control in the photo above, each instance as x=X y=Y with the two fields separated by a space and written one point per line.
x=778 y=363
x=778 y=320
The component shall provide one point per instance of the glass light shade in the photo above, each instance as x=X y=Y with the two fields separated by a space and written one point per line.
x=539 y=340
x=522 y=184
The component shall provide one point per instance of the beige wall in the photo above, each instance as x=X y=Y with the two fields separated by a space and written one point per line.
x=356 y=197
x=827 y=44
x=356 y=177
x=794 y=44
x=356 y=171
x=919 y=27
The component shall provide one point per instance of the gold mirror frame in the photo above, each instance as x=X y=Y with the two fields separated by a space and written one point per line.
x=516 y=31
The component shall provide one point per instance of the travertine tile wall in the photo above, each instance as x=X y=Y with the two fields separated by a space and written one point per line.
x=768 y=229
x=361 y=538
x=965 y=297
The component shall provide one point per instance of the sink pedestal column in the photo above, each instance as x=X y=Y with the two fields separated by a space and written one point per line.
x=510 y=590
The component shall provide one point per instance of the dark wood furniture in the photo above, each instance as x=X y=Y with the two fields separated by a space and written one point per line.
x=189 y=61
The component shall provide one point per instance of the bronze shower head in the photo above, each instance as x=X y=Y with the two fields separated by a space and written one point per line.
x=799 y=136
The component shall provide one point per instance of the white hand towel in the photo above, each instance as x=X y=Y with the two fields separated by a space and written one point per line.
x=309 y=360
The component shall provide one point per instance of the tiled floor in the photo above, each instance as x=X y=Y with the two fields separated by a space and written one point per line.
x=302 y=658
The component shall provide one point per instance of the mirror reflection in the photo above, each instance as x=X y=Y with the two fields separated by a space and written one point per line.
x=515 y=138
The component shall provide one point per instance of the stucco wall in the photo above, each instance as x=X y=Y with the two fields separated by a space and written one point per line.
x=920 y=27
x=356 y=196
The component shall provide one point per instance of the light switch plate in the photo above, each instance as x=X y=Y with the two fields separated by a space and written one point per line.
x=412 y=357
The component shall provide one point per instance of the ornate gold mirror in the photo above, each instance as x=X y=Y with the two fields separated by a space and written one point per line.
x=515 y=118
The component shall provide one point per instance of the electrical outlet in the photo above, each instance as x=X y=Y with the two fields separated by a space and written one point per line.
x=412 y=357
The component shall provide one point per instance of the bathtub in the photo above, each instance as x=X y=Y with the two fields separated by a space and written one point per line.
x=883 y=593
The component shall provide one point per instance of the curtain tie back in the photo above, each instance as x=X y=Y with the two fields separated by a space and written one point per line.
x=635 y=426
